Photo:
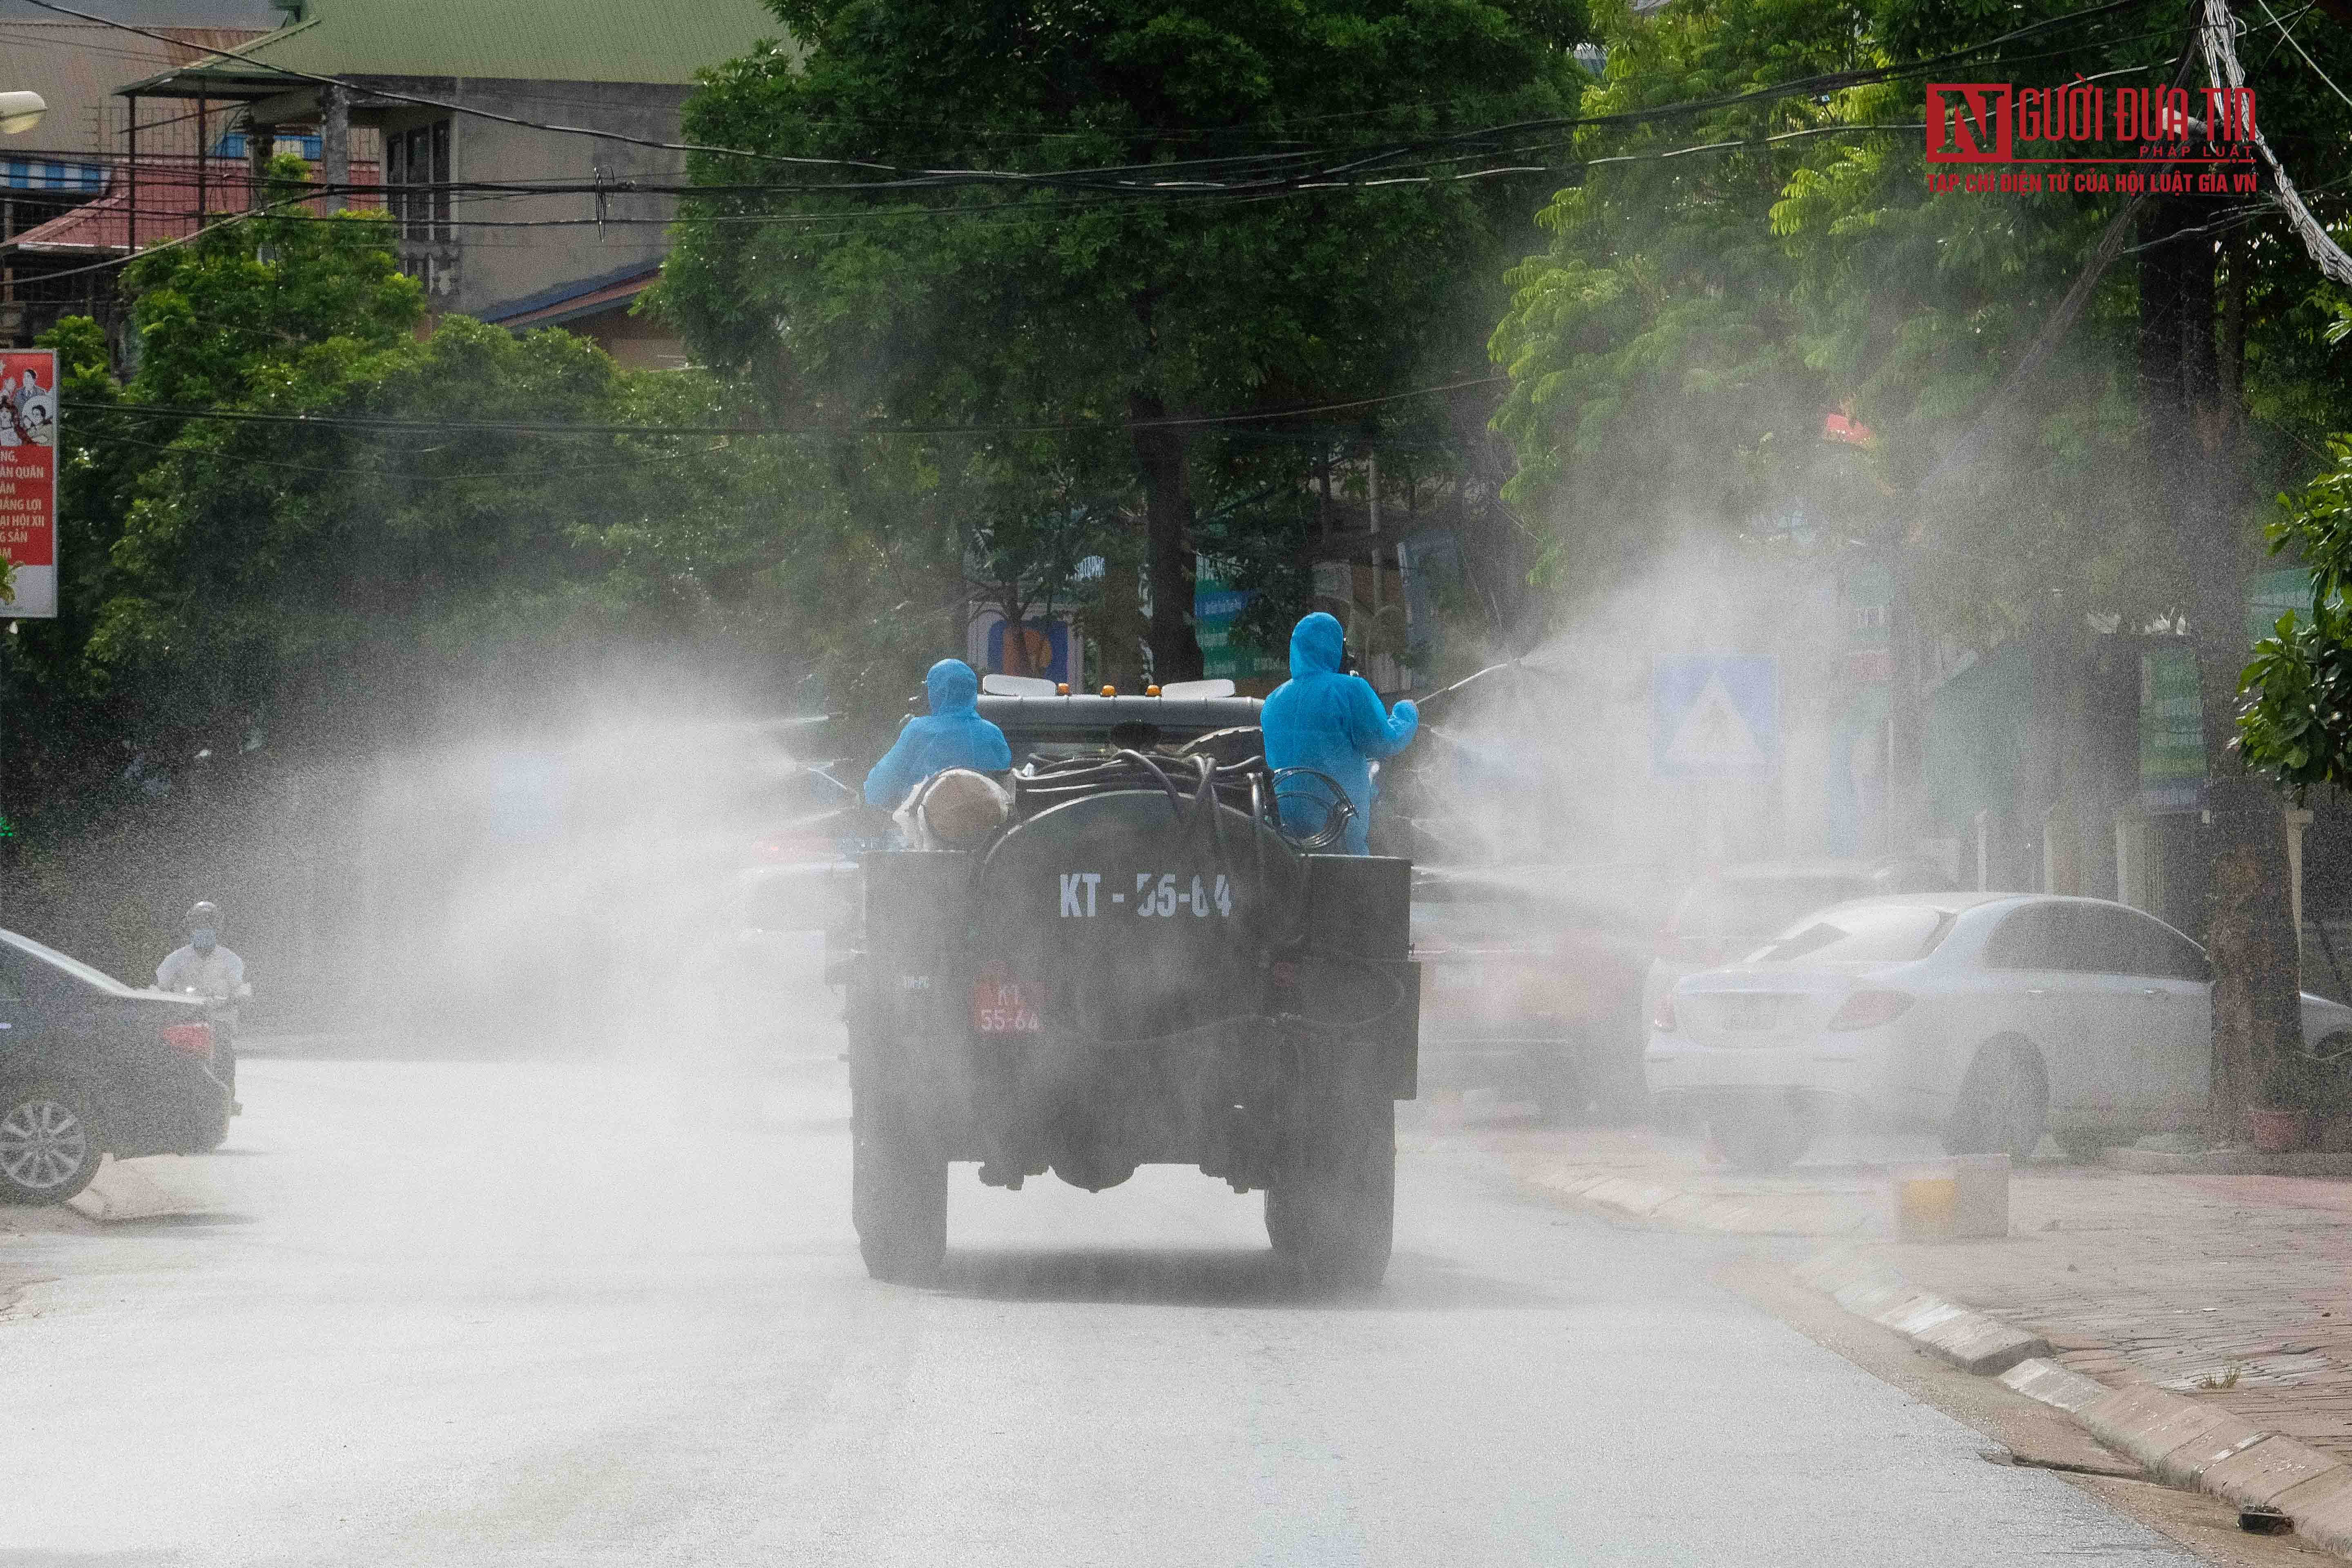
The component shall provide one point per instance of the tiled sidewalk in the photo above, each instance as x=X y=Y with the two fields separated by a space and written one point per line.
x=2239 y=1284
x=2232 y=1288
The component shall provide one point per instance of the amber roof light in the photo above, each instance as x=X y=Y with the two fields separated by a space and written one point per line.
x=1152 y=691
x=1110 y=691
x=1062 y=690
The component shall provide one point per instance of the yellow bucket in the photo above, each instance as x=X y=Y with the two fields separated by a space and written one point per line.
x=1927 y=1205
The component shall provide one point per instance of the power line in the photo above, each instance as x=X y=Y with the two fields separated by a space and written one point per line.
x=395 y=426
x=1496 y=144
x=1290 y=185
x=2288 y=33
x=1255 y=171
x=317 y=80
x=377 y=198
x=542 y=473
x=2218 y=39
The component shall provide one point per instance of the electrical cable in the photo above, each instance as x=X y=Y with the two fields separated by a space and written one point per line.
x=2217 y=38
x=1177 y=190
x=2288 y=33
x=345 y=469
x=238 y=56
x=1296 y=184
x=388 y=424
x=2294 y=19
x=1268 y=164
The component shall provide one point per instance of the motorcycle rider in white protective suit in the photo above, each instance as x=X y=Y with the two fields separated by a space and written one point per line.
x=213 y=972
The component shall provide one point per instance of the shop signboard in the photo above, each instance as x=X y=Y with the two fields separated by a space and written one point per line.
x=1224 y=652
x=2171 y=731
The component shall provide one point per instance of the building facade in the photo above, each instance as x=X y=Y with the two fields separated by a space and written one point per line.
x=495 y=122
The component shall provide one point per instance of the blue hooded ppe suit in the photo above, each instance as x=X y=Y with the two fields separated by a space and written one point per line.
x=1333 y=723
x=954 y=736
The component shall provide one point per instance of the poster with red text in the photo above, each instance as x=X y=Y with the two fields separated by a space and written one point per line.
x=28 y=481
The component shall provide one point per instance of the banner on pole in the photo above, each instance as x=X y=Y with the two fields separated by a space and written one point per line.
x=29 y=482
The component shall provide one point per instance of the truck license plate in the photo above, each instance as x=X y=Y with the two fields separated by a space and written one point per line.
x=1000 y=1007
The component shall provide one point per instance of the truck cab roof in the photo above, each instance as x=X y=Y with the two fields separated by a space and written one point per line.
x=1056 y=727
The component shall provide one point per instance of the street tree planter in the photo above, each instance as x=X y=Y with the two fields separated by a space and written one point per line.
x=2280 y=1129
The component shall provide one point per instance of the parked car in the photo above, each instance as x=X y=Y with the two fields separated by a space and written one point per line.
x=802 y=872
x=1994 y=1017
x=1732 y=910
x=1531 y=981
x=89 y=1067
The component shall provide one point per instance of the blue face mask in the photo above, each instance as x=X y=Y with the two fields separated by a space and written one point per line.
x=202 y=939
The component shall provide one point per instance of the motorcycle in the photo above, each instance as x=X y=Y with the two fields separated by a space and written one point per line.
x=221 y=1013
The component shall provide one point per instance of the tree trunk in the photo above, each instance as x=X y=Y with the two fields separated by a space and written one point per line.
x=1162 y=454
x=2193 y=430
x=1118 y=628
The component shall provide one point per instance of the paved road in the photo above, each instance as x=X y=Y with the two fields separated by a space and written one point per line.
x=524 y=1314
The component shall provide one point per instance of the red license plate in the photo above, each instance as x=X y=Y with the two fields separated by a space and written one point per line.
x=1004 y=1007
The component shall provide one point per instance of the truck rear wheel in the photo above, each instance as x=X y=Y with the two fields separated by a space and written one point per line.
x=1333 y=1211
x=898 y=1190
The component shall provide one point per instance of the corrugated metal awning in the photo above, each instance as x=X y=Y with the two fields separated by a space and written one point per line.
x=51 y=174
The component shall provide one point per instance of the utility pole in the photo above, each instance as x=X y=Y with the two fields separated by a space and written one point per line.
x=130 y=183
x=335 y=142
x=260 y=142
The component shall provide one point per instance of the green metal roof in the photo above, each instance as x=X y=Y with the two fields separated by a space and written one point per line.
x=530 y=40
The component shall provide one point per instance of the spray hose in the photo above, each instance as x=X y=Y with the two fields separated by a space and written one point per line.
x=1257 y=793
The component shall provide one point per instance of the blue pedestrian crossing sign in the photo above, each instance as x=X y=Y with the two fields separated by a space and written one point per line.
x=1714 y=716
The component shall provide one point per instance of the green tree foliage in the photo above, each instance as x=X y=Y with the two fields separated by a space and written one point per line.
x=2298 y=725
x=1711 y=306
x=1044 y=305
x=236 y=583
x=1674 y=350
x=1653 y=348
x=1697 y=316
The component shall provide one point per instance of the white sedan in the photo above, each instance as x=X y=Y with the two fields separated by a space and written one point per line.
x=1995 y=1016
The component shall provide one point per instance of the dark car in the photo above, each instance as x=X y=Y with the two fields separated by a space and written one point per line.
x=89 y=1066
x=1532 y=980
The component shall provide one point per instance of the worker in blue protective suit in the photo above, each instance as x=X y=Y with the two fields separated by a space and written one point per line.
x=1334 y=723
x=953 y=736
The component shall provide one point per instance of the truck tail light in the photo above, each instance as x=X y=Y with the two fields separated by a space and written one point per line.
x=790 y=847
x=1868 y=1009
x=190 y=1041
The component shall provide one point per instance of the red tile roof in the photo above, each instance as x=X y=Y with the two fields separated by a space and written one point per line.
x=167 y=206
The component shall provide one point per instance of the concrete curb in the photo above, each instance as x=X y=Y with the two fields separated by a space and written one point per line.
x=1751 y=1214
x=2181 y=1441
x=1970 y=1341
x=2229 y=1163
x=150 y=1188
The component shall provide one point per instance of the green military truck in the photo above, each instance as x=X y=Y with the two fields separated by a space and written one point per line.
x=1135 y=965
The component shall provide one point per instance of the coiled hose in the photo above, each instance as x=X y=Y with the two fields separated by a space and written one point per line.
x=1245 y=786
